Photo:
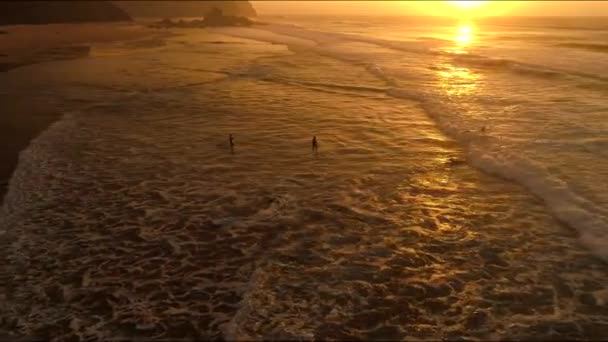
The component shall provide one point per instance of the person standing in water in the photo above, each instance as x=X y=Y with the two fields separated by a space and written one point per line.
x=315 y=145
x=231 y=141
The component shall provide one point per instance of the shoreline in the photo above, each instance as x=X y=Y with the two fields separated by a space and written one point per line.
x=21 y=45
x=16 y=133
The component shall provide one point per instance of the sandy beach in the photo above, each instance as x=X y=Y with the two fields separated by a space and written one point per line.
x=27 y=44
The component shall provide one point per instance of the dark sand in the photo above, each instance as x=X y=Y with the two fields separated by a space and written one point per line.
x=20 y=122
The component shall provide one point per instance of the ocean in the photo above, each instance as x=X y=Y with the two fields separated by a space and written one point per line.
x=460 y=189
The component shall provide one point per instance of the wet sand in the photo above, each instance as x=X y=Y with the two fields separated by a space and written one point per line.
x=28 y=44
x=20 y=45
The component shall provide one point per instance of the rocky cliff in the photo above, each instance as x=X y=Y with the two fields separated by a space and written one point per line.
x=48 y=12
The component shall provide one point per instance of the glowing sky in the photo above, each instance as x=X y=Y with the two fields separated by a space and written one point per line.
x=439 y=8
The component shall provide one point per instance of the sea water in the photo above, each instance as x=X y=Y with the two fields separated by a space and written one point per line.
x=460 y=188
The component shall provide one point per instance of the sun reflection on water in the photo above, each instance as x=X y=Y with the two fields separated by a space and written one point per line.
x=457 y=81
x=464 y=36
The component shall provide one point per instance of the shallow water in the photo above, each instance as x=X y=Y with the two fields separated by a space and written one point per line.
x=131 y=218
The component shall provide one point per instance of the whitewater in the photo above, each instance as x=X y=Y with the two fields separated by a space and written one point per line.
x=461 y=188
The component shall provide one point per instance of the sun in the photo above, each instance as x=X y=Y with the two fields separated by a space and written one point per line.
x=466 y=4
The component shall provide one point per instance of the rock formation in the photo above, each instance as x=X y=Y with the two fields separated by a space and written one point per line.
x=214 y=17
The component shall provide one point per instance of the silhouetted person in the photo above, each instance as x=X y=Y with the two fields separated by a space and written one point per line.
x=231 y=141
x=315 y=145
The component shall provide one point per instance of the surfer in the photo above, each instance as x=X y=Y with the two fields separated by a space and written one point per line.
x=315 y=146
x=231 y=141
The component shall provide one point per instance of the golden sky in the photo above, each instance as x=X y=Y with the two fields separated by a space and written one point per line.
x=436 y=7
